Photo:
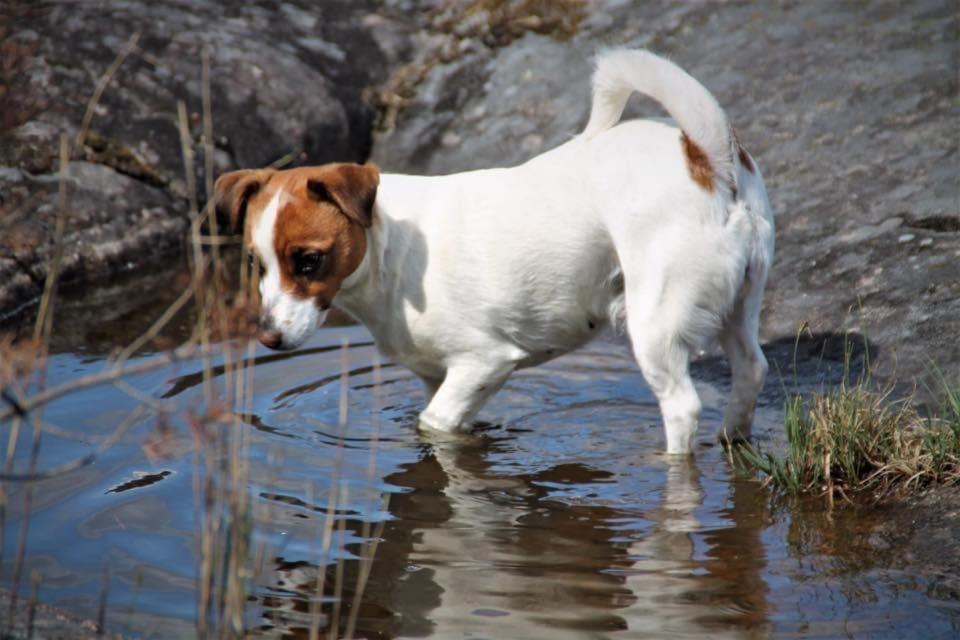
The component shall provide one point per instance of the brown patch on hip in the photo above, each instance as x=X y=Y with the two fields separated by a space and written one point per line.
x=698 y=164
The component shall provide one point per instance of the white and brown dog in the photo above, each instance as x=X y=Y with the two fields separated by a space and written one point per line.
x=467 y=277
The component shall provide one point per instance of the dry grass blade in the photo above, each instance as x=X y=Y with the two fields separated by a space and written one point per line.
x=334 y=631
x=858 y=441
x=44 y=322
x=157 y=325
x=102 y=85
x=370 y=548
x=41 y=337
x=106 y=376
x=222 y=475
x=121 y=430
x=366 y=566
x=208 y=153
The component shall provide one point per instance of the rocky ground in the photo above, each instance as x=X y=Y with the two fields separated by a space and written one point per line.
x=851 y=111
x=39 y=621
x=286 y=84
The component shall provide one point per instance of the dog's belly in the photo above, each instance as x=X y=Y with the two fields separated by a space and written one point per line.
x=525 y=335
x=543 y=340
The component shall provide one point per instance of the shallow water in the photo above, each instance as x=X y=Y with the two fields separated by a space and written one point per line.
x=558 y=518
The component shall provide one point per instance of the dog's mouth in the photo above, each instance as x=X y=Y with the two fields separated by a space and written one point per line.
x=273 y=338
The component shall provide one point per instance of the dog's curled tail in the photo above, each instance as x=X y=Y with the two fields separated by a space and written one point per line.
x=707 y=138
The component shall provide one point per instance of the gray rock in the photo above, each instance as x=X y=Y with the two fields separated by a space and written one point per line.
x=286 y=84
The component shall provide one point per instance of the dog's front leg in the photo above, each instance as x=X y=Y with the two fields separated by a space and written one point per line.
x=467 y=385
x=430 y=387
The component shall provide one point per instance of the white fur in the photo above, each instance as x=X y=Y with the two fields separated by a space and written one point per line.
x=294 y=317
x=620 y=72
x=470 y=276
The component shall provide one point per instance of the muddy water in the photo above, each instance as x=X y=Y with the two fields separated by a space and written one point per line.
x=558 y=518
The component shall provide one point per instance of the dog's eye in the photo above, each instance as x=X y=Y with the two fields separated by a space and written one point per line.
x=307 y=263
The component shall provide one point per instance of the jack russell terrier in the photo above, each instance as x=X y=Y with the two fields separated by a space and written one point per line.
x=662 y=228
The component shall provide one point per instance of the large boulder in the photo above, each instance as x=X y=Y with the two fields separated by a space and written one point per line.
x=850 y=112
x=286 y=84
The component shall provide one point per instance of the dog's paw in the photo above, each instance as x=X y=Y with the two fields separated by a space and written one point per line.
x=433 y=423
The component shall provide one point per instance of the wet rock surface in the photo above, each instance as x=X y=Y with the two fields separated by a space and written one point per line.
x=851 y=113
x=40 y=621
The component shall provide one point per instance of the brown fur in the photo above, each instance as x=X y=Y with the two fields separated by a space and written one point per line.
x=326 y=208
x=698 y=164
x=233 y=191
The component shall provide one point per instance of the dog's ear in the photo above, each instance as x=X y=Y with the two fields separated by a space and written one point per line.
x=233 y=190
x=352 y=187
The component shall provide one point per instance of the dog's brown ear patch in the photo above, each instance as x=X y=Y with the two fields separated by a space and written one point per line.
x=698 y=164
x=233 y=191
x=352 y=187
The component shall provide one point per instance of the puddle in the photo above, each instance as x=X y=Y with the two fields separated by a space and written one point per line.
x=558 y=518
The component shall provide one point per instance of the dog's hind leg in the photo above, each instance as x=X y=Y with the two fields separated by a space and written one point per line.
x=666 y=369
x=464 y=390
x=664 y=358
x=748 y=366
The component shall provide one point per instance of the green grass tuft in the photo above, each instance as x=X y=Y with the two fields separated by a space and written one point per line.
x=856 y=440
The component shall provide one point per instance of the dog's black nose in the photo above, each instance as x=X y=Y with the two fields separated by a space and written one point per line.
x=271 y=338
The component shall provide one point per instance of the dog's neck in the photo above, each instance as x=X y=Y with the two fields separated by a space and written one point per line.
x=359 y=294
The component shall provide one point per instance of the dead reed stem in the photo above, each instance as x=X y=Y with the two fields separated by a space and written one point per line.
x=158 y=325
x=109 y=375
x=35 y=579
x=102 y=85
x=221 y=462
x=334 y=495
x=334 y=628
x=367 y=555
x=33 y=475
x=44 y=322
x=41 y=336
x=370 y=548
x=208 y=151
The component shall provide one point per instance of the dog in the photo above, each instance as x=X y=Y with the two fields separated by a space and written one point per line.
x=662 y=228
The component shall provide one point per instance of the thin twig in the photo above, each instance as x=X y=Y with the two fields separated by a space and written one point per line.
x=334 y=628
x=35 y=579
x=41 y=336
x=102 y=84
x=366 y=566
x=208 y=151
x=158 y=324
x=114 y=437
x=186 y=151
x=108 y=375
x=45 y=313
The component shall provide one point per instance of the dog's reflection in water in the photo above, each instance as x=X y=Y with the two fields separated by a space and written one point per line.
x=475 y=549
x=512 y=559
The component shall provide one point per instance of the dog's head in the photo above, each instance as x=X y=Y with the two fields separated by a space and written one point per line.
x=307 y=227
